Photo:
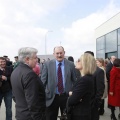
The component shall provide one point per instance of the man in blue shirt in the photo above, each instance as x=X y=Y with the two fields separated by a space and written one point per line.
x=58 y=77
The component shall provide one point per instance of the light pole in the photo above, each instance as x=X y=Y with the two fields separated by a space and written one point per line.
x=46 y=42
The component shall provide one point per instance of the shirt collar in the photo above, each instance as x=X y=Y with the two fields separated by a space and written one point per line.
x=57 y=62
x=2 y=68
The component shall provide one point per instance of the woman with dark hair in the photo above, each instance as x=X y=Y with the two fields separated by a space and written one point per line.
x=77 y=72
x=114 y=91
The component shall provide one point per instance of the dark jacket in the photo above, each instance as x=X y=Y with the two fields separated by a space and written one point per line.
x=81 y=97
x=6 y=85
x=28 y=93
x=108 y=69
x=99 y=87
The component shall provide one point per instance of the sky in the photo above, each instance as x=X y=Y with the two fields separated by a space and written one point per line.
x=70 y=23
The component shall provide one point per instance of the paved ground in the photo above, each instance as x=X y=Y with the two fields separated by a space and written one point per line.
x=106 y=116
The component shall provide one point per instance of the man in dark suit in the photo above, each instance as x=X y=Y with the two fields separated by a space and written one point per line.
x=58 y=76
x=99 y=87
x=5 y=88
x=28 y=90
x=109 y=67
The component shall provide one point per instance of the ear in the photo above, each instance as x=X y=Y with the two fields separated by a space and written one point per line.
x=27 y=59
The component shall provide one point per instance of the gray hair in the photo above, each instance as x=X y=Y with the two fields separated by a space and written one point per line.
x=26 y=52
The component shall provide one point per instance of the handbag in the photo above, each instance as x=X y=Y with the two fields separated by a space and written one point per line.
x=67 y=112
x=65 y=116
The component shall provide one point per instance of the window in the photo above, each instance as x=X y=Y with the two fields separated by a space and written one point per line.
x=100 y=43
x=119 y=36
x=100 y=54
x=111 y=41
x=118 y=51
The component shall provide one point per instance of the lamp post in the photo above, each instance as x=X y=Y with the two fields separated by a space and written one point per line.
x=46 y=42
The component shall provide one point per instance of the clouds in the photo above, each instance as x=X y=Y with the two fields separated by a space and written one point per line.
x=21 y=21
x=81 y=34
x=19 y=24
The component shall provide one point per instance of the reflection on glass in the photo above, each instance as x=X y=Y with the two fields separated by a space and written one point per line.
x=100 y=43
x=111 y=41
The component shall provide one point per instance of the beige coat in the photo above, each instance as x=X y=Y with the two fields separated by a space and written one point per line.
x=106 y=86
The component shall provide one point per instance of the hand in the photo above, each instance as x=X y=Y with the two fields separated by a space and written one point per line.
x=111 y=93
x=4 y=77
x=70 y=93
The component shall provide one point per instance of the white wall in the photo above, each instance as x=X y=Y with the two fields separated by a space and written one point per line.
x=110 y=25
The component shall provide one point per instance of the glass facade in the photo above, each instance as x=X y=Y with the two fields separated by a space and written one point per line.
x=119 y=36
x=108 y=45
x=100 y=54
x=118 y=51
x=100 y=43
x=100 y=47
x=111 y=41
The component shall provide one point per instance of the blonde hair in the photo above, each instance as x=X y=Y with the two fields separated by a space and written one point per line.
x=88 y=64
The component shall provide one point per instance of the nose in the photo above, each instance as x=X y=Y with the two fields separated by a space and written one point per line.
x=59 y=54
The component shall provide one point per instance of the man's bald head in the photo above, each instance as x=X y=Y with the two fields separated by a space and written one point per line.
x=59 y=53
x=58 y=47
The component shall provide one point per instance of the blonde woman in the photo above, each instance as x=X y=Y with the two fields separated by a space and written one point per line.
x=80 y=96
x=100 y=64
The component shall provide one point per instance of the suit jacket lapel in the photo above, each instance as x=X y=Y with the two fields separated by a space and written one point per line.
x=54 y=70
x=65 y=70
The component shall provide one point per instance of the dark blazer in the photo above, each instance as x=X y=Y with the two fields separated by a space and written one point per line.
x=6 y=85
x=28 y=93
x=99 y=87
x=81 y=98
x=49 y=78
x=108 y=69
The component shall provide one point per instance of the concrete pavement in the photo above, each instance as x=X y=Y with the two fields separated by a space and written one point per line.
x=106 y=115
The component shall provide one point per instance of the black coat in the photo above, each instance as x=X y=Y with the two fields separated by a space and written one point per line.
x=108 y=69
x=6 y=85
x=28 y=93
x=81 y=98
x=99 y=87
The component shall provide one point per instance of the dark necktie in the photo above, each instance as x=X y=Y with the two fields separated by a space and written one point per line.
x=60 y=79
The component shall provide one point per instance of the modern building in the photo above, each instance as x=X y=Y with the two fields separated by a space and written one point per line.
x=108 y=38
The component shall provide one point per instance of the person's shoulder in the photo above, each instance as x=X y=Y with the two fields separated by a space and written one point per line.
x=99 y=69
x=9 y=68
x=87 y=77
x=68 y=62
x=50 y=61
x=114 y=69
x=109 y=64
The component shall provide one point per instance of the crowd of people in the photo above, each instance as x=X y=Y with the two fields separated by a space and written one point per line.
x=41 y=88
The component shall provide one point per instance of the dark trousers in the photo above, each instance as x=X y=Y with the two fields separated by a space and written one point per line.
x=94 y=113
x=101 y=110
x=58 y=102
x=84 y=117
x=7 y=96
